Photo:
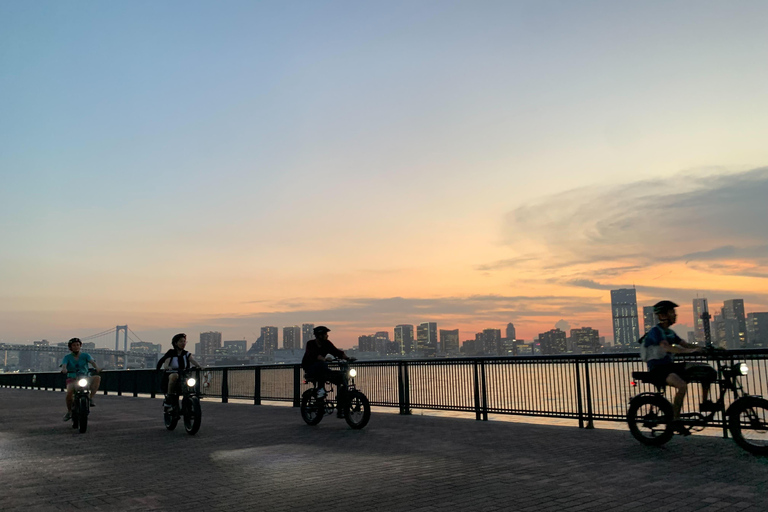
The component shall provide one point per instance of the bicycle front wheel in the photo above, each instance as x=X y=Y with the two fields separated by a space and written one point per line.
x=748 y=423
x=358 y=410
x=192 y=415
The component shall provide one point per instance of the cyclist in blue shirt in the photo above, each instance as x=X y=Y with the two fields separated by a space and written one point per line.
x=75 y=364
x=659 y=346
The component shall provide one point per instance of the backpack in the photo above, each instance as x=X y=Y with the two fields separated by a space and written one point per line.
x=652 y=352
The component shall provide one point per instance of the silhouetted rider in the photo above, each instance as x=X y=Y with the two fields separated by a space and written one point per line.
x=316 y=367
x=660 y=344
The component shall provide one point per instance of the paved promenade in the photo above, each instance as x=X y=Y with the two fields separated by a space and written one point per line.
x=249 y=457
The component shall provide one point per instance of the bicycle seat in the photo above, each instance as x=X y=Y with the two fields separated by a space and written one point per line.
x=642 y=376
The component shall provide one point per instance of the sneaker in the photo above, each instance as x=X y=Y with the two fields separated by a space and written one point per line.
x=340 y=414
x=68 y=416
x=709 y=406
x=92 y=404
x=321 y=393
x=679 y=428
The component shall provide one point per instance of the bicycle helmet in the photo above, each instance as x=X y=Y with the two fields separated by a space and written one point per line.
x=664 y=306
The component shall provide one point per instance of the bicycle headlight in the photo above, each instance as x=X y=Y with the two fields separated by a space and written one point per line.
x=191 y=382
x=352 y=372
x=82 y=383
x=743 y=369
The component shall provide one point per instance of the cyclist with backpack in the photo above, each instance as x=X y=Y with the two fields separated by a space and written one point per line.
x=174 y=362
x=658 y=348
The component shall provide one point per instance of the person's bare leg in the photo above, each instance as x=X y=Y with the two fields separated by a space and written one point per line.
x=682 y=388
x=172 y=380
x=70 y=395
x=95 y=382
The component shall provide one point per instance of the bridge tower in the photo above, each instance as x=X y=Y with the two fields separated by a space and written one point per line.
x=123 y=328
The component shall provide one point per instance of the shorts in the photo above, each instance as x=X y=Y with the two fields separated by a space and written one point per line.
x=689 y=372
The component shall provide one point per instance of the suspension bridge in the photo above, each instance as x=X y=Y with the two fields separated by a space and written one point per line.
x=44 y=356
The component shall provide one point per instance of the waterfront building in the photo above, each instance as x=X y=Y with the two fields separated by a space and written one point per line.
x=757 y=330
x=307 y=333
x=404 y=339
x=292 y=338
x=426 y=339
x=269 y=338
x=626 y=330
x=552 y=342
x=586 y=340
x=650 y=319
x=449 y=341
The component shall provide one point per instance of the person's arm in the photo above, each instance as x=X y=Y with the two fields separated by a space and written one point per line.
x=64 y=365
x=194 y=363
x=93 y=363
x=336 y=352
x=160 y=363
x=676 y=349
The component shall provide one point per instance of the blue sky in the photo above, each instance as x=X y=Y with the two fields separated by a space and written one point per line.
x=170 y=164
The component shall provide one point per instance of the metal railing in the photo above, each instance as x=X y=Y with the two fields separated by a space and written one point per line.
x=586 y=388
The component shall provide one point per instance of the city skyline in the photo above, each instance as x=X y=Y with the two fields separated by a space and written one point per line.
x=363 y=166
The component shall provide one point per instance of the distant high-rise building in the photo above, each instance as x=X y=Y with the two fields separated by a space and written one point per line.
x=366 y=343
x=404 y=338
x=626 y=329
x=586 y=340
x=449 y=340
x=236 y=347
x=426 y=339
x=381 y=342
x=492 y=341
x=269 y=335
x=292 y=337
x=699 y=308
x=511 y=335
x=757 y=330
x=307 y=333
x=553 y=342
x=479 y=345
x=209 y=342
x=650 y=319
x=735 y=324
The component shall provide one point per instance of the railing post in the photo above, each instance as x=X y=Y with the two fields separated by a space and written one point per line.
x=483 y=389
x=119 y=383
x=402 y=388
x=135 y=383
x=224 y=386
x=257 y=386
x=589 y=395
x=579 y=400
x=477 y=391
x=297 y=385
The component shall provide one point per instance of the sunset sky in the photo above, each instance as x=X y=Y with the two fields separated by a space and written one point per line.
x=193 y=166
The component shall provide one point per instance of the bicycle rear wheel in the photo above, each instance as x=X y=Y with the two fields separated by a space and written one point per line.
x=649 y=418
x=312 y=408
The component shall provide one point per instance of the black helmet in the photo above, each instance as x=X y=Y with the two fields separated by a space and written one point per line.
x=663 y=306
x=320 y=329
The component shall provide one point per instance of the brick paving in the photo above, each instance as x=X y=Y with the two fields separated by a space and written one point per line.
x=249 y=457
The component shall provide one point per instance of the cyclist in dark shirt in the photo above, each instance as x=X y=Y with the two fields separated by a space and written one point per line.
x=315 y=365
